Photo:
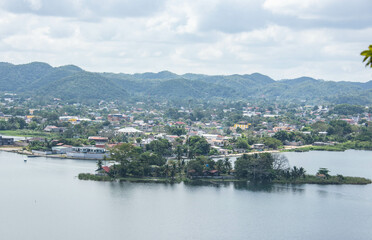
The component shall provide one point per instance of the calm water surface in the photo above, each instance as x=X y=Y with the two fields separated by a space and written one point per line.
x=42 y=199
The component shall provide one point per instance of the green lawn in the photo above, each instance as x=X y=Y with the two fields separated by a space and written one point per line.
x=87 y=176
x=358 y=145
x=311 y=179
x=27 y=133
x=338 y=148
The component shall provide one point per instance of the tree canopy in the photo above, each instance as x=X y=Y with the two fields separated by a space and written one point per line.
x=367 y=56
x=198 y=145
x=255 y=167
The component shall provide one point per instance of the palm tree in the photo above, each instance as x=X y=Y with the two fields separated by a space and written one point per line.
x=301 y=172
x=166 y=170
x=227 y=164
x=294 y=172
x=219 y=165
x=179 y=152
x=367 y=56
x=287 y=174
x=99 y=164
x=173 y=170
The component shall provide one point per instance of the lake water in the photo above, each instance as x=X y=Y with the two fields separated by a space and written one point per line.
x=43 y=199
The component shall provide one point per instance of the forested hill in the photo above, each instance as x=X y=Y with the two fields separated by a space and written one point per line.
x=73 y=83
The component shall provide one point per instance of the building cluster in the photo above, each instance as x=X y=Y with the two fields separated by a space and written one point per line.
x=141 y=123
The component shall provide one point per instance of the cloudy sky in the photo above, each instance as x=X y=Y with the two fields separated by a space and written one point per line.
x=279 y=38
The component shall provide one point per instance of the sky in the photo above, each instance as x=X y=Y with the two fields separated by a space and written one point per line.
x=279 y=38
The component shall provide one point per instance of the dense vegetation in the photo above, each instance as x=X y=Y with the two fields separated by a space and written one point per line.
x=133 y=164
x=42 y=81
x=12 y=124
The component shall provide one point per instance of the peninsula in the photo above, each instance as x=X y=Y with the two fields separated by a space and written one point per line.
x=259 y=168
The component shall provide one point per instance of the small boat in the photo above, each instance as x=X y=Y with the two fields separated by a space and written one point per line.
x=25 y=159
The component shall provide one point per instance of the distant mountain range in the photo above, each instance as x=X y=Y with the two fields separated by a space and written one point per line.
x=73 y=83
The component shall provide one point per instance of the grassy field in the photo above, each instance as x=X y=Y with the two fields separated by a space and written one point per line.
x=27 y=133
x=311 y=179
x=357 y=145
x=338 y=148
x=87 y=176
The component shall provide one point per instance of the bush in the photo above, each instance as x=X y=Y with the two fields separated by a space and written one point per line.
x=88 y=176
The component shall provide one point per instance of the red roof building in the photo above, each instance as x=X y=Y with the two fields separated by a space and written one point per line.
x=99 y=139
x=106 y=169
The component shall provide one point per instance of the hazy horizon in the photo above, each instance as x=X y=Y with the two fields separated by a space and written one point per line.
x=181 y=74
x=281 y=39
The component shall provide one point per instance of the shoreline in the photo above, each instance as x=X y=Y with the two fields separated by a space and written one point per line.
x=303 y=148
x=310 y=179
x=18 y=150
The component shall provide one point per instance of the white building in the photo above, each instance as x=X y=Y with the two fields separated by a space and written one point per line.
x=130 y=131
x=88 y=153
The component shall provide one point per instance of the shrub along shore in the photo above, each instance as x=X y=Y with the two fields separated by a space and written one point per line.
x=312 y=179
x=131 y=165
x=309 y=179
x=293 y=177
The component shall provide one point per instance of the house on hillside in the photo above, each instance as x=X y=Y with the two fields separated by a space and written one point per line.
x=130 y=131
x=242 y=125
x=54 y=129
x=99 y=141
x=179 y=124
x=117 y=117
x=6 y=141
x=88 y=153
x=61 y=149
x=105 y=170
x=293 y=143
x=171 y=138
x=211 y=173
x=220 y=150
x=258 y=146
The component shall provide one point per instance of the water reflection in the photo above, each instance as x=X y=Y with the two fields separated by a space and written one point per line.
x=269 y=187
x=124 y=188
x=198 y=183
x=249 y=186
x=335 y=191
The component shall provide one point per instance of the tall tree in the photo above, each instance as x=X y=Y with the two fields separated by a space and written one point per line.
x=227 y=164
x=256 y=167
x=162 y=147
x=198 y=145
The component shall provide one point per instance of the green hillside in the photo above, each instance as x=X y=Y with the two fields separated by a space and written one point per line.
x=72 y=83
x=83 y=86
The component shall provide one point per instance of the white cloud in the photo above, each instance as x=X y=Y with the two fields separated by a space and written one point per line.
x=85 y=9
x=283 y=39
x=354 y=12
x=210 y=53
x=35 y=4
x=296 y=8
